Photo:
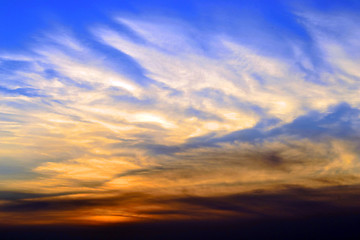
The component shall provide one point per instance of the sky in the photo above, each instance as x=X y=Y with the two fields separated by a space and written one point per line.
x=138 y=111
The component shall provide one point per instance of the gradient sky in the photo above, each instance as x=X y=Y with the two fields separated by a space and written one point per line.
x=123 y=111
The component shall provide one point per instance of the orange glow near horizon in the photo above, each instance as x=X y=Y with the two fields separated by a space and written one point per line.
x=242 y=112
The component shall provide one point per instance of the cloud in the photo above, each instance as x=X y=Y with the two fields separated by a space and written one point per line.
x=339 y=122
x=160 y=106
x=291 y=202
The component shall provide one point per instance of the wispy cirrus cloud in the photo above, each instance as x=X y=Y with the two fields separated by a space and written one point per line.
x=160 y=106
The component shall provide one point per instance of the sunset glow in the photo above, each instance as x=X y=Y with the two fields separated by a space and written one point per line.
x=114 y=112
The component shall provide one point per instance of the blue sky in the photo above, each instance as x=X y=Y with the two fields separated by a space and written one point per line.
x=171 y=97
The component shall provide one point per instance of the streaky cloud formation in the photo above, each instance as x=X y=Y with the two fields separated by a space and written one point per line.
x=241 y=112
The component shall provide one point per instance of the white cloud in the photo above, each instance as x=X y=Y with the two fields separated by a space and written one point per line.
x=87 y=107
